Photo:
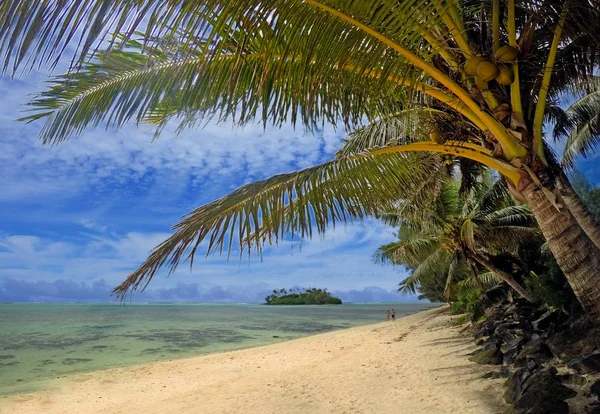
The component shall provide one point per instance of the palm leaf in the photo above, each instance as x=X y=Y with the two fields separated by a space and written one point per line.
x=433 y=266
x=161 y=85
x=403 y=127
x=331 y=193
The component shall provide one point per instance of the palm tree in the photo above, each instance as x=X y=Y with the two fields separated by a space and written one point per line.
x=494 y=66
x=455 y=236
x=579 y=126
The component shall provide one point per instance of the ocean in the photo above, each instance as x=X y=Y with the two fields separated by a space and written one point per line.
x=40 y=342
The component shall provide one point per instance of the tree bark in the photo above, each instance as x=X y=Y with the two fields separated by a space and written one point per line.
x=577 y=256
x=507 y=277
x=579 y=211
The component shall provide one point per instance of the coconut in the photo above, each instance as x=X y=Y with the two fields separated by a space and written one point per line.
x=436 y=136
x=506 y=54
x=471 y=65
x=481 y=84
x=506 y=75
x=487 y=71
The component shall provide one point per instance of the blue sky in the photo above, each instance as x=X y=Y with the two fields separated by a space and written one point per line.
x=76 y=218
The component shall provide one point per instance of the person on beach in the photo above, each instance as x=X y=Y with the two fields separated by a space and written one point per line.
x=387 y=315
x=393 y=314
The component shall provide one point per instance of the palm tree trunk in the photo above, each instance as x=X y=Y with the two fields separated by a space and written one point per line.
x=577 y=256
x=579 y=211
x=478 y=282
x=507 y=277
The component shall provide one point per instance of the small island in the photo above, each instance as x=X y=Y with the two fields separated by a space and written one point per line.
x=310 y=296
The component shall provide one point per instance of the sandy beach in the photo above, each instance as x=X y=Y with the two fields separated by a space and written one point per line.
x=417 y=364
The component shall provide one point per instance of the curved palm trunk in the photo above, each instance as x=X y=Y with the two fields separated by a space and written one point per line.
x=510 y=281
x=579 y=211
x=577 y=256
x=478 y=282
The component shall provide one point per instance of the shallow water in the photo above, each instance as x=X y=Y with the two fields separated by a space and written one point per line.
x=41 y=341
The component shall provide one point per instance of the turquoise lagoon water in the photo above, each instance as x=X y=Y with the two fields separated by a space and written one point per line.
x=42 y=341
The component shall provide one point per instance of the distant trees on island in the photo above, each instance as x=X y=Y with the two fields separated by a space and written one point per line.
x=297 y=296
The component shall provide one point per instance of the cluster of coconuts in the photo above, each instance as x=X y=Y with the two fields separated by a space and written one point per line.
x=485 y=71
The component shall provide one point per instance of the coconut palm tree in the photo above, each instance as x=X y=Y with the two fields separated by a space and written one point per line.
x=454 y=236
x=579 y=126
x=495 y=66
x=580 y=123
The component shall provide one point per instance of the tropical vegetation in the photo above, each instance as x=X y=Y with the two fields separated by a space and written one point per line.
x=464 y=245
x=486 y=74
x=457 y=237
x=297 y=296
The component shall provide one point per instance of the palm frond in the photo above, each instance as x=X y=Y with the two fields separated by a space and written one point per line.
x=40 y=31
x=487 y=279
x=409 y=251
x=405 y=126
x=510 y=216
x=584 y=135
x=435 y=265
x=334 y=192
x=157 y=86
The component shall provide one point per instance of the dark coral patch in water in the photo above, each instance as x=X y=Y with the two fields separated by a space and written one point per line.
x=3 y=357
x=9 y=364
x=40 y=340
x=109 y=326
x=152 y=350
x=47 y=362
x=73 y=361
x=190 y=338
x=298 y=327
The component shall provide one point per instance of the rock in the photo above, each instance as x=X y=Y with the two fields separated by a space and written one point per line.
x=580 y=338
x=589 y=364
x=512 y=331
x=549 y=406
x=595 y=388
x=515 y=383
x=491 y=356
x=508 y=357
x=572 y=379
x=536 y=350
x=544 y=321
x=542 y=393
x=592 y=408
x=512 y=345
x=502 y=373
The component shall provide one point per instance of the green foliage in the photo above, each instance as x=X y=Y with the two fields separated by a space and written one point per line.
x=587 y=192
x=466 y=301
x=551 y=287
x=461 y=320
x=448 y=236
x=580 y=123
x=310 y=296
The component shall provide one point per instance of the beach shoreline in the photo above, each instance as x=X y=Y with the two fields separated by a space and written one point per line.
x=416 y=364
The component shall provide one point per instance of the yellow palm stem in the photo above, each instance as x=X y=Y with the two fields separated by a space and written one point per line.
x=510 y=146
x=515 y=87
x=458 y=149
x=540 y=108
x=439 y=47
x=451 y=24
x=452 y=9
x=496 y=24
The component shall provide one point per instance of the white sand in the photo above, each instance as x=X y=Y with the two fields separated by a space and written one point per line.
x=416 y=365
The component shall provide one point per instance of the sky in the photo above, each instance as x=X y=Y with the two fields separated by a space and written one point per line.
x=77 y=217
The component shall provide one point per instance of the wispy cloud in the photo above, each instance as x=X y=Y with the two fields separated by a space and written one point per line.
x=79 y=216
